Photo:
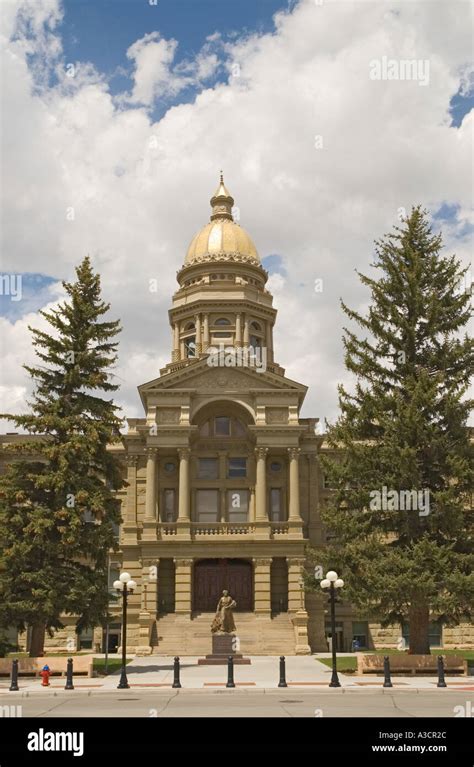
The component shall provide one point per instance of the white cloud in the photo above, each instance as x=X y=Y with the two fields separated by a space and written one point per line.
x=139 y=190
x=153 y=78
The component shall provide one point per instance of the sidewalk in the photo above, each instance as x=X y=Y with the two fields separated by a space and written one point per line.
x=303 y=672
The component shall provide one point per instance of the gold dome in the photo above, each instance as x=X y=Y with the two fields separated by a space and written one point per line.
x=222 y=239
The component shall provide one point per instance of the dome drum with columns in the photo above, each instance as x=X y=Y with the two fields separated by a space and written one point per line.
x=222 y=297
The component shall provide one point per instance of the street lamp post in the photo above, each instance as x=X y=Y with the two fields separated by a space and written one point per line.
x=333 y=582
x=125 y=586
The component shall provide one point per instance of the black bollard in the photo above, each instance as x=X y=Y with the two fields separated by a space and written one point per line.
x=230 y=672
x=282 y=682
x=387 y=682
x=441 y=680
x=14 y=680
x=69 y=683
x=176 y=682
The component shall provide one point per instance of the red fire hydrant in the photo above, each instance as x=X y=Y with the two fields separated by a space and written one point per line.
x=45 y=674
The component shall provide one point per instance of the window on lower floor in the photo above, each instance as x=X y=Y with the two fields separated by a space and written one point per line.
x=276 y=514
x=169 y=505
x=237 y=505
x=207 y=505
x=360 y=634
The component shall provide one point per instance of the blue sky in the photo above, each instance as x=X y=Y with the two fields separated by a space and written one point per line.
x=101 y=31
x=313 y=213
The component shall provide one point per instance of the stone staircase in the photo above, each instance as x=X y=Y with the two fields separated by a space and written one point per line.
x=178 y=635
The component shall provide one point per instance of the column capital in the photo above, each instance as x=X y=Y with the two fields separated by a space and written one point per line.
x=294 y=453
x=183 y=562
x=262 y=561
x=131 y=460
x=261 y=453
x=184 y=453
x=152 y=452
x=295 y=561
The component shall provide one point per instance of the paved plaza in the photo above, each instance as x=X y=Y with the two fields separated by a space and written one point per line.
x=204 y=693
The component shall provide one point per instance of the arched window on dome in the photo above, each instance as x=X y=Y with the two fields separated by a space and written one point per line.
x=190 y=326
x=255 y=326
x=190 y=347
x=222 y=321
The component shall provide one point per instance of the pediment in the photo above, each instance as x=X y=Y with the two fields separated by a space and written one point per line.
x=221 y=379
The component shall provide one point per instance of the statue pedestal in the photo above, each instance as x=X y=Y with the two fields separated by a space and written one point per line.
x=223 y=645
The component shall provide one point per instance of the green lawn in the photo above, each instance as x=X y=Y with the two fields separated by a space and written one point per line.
x=114 y=664
x=348 y=665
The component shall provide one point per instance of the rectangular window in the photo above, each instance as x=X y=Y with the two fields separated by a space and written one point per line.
x=222 y=426
x=275 y=505
x=207 y=505
x=208 y=468
x=237 y=467
x=169 y=505
x=237 y=505
x=360 y=632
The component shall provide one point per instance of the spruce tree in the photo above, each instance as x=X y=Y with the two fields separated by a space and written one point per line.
x=403 y=428
x=57 y=499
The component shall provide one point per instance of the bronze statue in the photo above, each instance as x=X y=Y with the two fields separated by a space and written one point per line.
x=224 y=618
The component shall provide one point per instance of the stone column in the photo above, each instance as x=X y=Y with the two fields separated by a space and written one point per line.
x=151 y=515
x=183 y=587
x=296 y=605
x=269 y=341
x=197 y=322
x=129 y=524
x=206 y=333
x=238 y=331
x=262 y=526
x=252 y=504
x=184 y=517
x=261 y=484
x=246 y=330
x=175 y=353
x=294 y=516
x=262 y=587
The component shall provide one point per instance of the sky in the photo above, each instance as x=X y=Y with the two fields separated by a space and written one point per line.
x=119 y=114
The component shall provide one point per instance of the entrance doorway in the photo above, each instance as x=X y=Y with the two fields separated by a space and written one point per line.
x=212 y=576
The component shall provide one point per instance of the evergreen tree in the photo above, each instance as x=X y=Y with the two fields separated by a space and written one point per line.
x=404 y=428
x=57 y=499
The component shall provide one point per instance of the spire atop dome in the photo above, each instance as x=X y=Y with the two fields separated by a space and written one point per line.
x=222 y=202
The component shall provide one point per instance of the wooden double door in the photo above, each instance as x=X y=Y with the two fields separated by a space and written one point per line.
x=212 y=576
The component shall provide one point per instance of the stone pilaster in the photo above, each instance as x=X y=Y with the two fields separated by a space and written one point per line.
x=183 y=586
x=151 y=511
x=148 y=607
x=175 y=353
x=262 y=587
x=129 y=525
x=197 y=322
x=296 y=605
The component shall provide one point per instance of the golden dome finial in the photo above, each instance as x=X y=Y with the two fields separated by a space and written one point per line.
x=222 y=201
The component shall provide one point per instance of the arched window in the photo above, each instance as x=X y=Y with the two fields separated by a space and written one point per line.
x=222 y=321
x=255 y=342
x=255 y=326
x=190 y=347
x=190 y=326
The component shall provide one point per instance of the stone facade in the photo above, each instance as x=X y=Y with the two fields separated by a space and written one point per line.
x=224 y=483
